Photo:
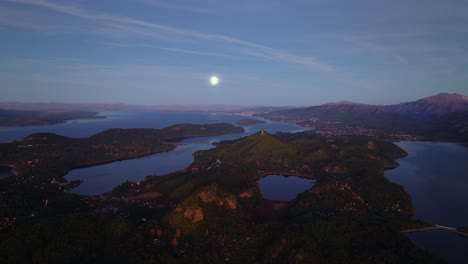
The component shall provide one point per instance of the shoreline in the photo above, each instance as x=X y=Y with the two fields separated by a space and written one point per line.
x=435 y=227
x=429 y=141
x=88 y=165
x=13 y=170
x=300 y=175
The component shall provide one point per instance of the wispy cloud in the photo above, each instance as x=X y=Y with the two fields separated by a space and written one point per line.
x=146 y=28
x=171 y=5
x=177 y=50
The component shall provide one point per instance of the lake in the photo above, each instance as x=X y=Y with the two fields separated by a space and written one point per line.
x=447 y=245
x=103 y=178
x=283 y=188
x=435 y=174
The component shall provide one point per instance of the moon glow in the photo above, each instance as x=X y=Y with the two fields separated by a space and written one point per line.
x=214 y=80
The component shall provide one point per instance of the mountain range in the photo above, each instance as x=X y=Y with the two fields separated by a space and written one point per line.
x=442 y=117
x=429 y=107
x=424 y=109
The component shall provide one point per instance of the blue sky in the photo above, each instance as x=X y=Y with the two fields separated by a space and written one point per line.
x=269 y=52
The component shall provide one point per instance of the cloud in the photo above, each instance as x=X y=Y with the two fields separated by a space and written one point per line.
x=171 y=5
x=145 y=28
x=177 y=50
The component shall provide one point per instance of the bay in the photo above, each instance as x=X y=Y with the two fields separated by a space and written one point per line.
x=435 y=175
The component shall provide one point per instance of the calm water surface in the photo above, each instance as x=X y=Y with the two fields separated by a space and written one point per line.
x=5 y=172
x=449 y=246
x=436 y=176
x=103 y=178
x=280 y=187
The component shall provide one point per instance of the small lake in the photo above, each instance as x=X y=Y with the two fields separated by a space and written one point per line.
x=280 y=187
x=5 y=171
x=435 y=175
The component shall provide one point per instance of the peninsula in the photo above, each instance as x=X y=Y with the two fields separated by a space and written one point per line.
x=249 y=122
x=213 y=209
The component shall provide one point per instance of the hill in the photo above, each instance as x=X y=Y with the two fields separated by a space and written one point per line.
x=432 y=106
x=338 y=112
x=351 y=208
x=442 y=117
x=429 y=107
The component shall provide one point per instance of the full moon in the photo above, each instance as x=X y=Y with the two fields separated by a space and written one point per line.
x=214 y=80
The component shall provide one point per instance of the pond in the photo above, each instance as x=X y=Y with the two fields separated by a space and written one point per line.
x=5 y=171
x=283 y=188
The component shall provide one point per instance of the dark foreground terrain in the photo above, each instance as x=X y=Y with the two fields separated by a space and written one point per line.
x=212 y=211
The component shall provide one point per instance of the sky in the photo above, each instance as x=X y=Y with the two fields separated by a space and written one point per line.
x=265 y=52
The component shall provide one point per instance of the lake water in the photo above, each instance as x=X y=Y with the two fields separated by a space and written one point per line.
x=103 y=178
x=5 y=172
x=447 y=245
x=280 y=187
x=436 y=176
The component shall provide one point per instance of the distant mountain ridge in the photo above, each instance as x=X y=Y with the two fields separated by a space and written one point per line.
x=69 y=107
x=432 y=106
x=426 y=108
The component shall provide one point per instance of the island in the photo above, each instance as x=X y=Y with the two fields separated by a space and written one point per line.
x=249 y=122
x=40 y=118
x=212 y=211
